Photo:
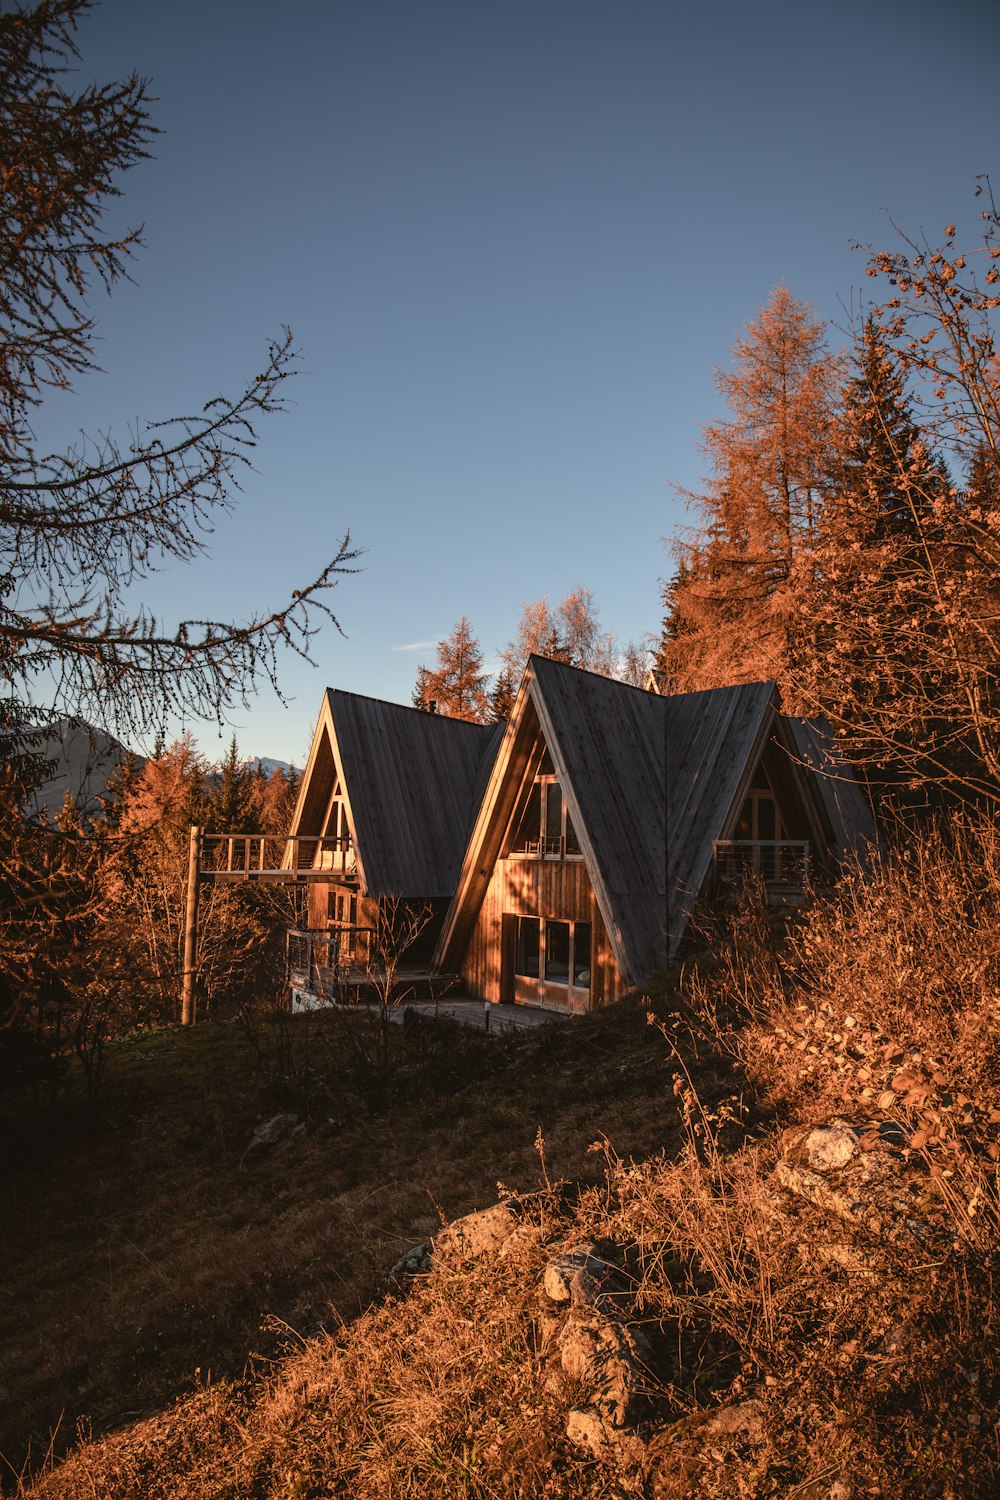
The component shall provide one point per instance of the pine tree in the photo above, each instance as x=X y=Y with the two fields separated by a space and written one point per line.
x=502 y=697
x=421 y=696
x=865 y=586
x=233 y=796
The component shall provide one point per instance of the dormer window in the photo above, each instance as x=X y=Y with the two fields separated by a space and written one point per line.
x=546 y=829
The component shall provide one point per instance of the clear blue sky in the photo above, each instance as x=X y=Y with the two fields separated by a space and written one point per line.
x=512 y=241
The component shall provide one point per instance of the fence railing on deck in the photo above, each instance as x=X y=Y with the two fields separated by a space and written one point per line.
x=241 y=856
x=780 y=863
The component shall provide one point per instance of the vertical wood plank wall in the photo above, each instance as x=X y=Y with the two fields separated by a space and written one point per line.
x=537 y=888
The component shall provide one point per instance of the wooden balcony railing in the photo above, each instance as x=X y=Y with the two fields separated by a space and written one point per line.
x=249 y=856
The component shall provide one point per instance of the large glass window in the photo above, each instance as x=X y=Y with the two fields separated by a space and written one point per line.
x=526 y=956
x=581 y=955
x=557 y=953
x=546 y=828
x=553 y=816
x=553 y=951
x=529 y=833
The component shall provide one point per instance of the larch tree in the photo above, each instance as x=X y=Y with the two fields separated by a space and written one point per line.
x=730 y=614
x=457 y=685
x=569 y=631
x=79 y=529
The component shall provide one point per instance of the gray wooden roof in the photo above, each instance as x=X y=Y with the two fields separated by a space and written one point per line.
x=844 y=800
x=624 y=756
x=412 y=783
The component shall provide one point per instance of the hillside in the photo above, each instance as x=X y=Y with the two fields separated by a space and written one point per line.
x=746 y=1250
x=143 y=1249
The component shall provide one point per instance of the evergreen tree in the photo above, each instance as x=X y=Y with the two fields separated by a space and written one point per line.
x=421 y=696
x=234 y=797
x=502 y=697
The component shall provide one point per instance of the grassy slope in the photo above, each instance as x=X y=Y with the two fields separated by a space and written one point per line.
x=856 y=1346
x=142 y=1256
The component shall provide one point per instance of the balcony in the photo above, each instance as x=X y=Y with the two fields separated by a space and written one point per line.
x=273 y=857
x=782 y=866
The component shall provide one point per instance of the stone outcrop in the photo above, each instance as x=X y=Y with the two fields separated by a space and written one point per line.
x=597 y=1348
x=863 y=1176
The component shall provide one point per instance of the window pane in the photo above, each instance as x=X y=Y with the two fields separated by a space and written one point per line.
x=744 y=828
x=526 y=958
x=553 y=816
x=581 y=955
x=766 y=818
x=557 y=952
x=572 y=842
x=530 y=830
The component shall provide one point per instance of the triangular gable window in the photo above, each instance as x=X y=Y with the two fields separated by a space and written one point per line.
x=545 y=829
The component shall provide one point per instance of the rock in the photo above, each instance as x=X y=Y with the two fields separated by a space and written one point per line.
x=840 y=1489
x=576 y=1276
x=875 y=1190
x=830 y=1147
x=815 y=1189
x=588 y=1427
x=746 y=1419
x=605 y=1355
x=413 y=1262
x=480 y=1233
x=279 y=1130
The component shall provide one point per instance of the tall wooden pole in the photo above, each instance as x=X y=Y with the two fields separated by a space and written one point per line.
x=191 y=929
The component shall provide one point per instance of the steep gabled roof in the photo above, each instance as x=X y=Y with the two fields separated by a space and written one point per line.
x=623 y=756
x=844 y=802
x=411 y=782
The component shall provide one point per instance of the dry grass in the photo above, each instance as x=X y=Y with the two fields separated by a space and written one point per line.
x=860 y=1353
x=142 y=1257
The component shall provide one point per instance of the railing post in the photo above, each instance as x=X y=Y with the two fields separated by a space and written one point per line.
x=191 y=928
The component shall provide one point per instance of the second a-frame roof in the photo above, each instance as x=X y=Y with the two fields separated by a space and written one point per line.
x=649 y=782
x=412 y=783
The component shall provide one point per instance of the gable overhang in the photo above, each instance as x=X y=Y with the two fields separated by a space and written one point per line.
x=516 y=762
x=324 y=770
x=488 y=831
x=578 y=813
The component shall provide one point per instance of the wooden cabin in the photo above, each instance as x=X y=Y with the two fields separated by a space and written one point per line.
x=391 y=793
x=611 y=811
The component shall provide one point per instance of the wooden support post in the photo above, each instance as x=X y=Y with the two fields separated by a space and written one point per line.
x=191 y=928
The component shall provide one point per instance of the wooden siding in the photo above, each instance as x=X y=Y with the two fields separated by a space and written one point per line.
x=537 y=888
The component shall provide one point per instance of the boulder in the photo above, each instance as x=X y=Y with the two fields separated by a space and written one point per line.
x=606 y=1356
x=277 y=1131
x=413 y=1262
x=576 y=1276
x=744 y=1420
x=478 y=1234
x=589 y=1427
x=830 y=1147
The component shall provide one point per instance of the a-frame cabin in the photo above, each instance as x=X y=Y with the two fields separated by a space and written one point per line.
x=391 y=792
x=609 y=812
